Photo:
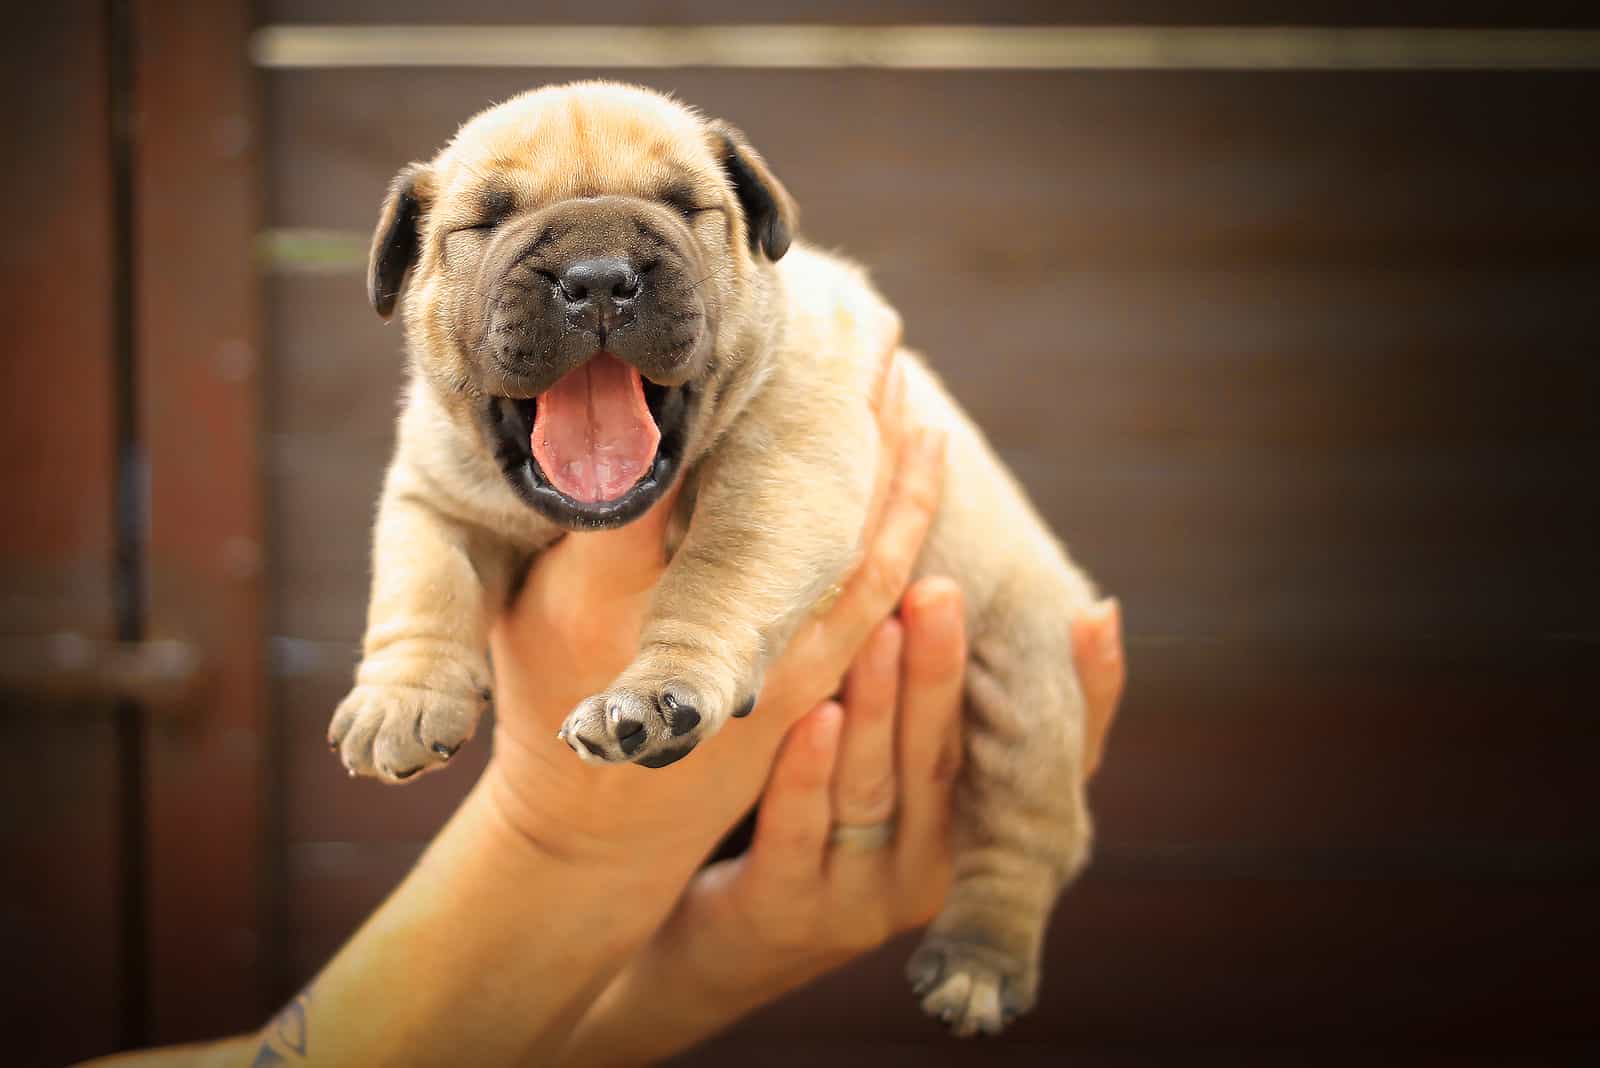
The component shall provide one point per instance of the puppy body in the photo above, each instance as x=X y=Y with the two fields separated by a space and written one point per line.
x=763 y=410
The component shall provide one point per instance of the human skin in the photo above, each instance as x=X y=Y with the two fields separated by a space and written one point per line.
x=562 y=900
x=794 y=907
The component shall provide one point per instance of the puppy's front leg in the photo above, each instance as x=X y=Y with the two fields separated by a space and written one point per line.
x=776 y=523
x=424 y=676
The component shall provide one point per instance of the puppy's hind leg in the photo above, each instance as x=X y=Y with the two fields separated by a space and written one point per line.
x=1022 y=830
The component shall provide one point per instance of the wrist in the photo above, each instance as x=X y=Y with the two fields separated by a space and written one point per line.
x=561 y=816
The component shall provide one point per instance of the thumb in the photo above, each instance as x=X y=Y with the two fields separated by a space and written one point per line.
x=787 y=854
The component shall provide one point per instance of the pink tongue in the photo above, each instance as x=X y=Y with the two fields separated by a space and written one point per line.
x=592 y=432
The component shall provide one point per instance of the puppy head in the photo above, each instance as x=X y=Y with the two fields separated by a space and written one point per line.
x=577 y=263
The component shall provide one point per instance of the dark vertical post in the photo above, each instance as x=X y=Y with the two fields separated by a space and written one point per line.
x=196 y=210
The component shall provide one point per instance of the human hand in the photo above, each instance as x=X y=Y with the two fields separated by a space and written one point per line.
x=576 y=625
x=802 y=900
x=799 y=903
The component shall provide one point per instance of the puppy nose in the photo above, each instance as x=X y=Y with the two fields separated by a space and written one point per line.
x=599 y=281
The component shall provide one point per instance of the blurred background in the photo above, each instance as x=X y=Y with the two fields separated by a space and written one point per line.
x=1287 y=314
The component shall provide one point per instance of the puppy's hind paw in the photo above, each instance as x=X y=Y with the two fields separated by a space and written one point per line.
x=972 y=989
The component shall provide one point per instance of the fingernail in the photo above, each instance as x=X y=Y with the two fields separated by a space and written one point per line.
x=1108 y=634
x=935 y=599
x=886 y=644
x=828 y=717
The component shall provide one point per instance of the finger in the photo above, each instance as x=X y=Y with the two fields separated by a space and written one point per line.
x=872 y=591
x=1102 y=672
x=863 y=779
x=791 y=838
x=929 y=728
x=888 y=365
x=890 y=408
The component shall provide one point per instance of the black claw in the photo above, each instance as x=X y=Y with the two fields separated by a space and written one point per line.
x=445 y=752
x=408 y=774
x=665 y=757
x=746 y=708
x=593 y=749
x=487 y=694
x=333 y=745
x=630 y=736
x=685 y=718
x=926 y=972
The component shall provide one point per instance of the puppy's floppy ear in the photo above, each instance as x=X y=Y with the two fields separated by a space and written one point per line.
x=770 y=216
x=396 y=240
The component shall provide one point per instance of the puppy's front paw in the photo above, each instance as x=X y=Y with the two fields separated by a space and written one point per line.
x=650 y=725
x=409 y=712
x=973 y=988
x=652 y=716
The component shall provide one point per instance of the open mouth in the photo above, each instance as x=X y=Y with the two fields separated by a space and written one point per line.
x=596 y=449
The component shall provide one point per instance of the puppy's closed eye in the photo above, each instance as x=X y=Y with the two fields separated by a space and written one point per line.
x=493 y=208
x=683 y=200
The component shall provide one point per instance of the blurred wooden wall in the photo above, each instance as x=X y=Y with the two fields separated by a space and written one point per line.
x=133 y=682
x=1303 y=365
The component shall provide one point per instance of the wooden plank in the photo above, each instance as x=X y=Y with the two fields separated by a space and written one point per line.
x=1300 y=367
x=1198 y=441
x=1335 y=964
x=196 y=203
x=1137 y=170
x=1228 y=756
x=62 y=922
x=1021 y=12
x=1145 y=964
x=1258 y=757
x=1311 y=347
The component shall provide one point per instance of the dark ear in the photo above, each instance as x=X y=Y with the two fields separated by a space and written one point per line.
x=396 y=240
x=769 y=214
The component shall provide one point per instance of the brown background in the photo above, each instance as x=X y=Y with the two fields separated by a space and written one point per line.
x=1303 y=366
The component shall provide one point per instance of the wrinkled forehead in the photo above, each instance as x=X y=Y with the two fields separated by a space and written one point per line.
x=553 y=144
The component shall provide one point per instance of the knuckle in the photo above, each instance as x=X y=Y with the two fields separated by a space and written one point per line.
x=865 y=933
x=883 y=575
x=919 y=494
x=798 y=841
x=872 y=800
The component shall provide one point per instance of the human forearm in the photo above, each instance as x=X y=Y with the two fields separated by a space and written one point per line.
x=487 y=952
x=677 y=993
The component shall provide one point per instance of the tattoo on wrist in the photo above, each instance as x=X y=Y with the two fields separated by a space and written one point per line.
x=287 y=1036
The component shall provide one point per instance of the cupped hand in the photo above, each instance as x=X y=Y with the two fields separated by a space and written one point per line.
x=576 y=624
x=881 y=763
x=800 y=902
